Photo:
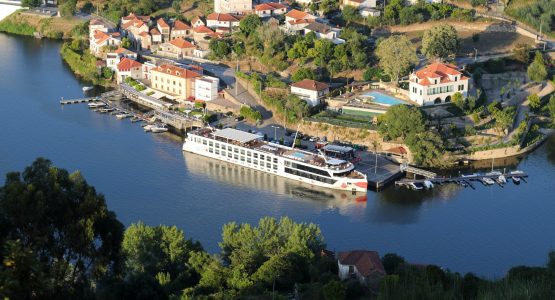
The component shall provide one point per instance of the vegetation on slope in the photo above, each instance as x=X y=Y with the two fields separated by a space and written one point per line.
x=534 y=13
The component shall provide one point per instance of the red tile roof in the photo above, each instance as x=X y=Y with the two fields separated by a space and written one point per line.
x=301 y=21
x=178 y=25
x=366 y=262
x=127 y=64
x=269 y=6
x=203 y=29
x=155 y=31
x=162 y=23
x=309 y=84
x=297 y=14
x=221 y=17
x=196 y=19
x=181 y=43
x=437 y=70
x=176 y=71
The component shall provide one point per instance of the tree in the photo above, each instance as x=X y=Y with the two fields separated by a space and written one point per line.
x=87 y=7
x=68 y=8
x=400 y=121
x=409 y=15
x=504 y=118
x=334 y=290
x=426 y=147
x=125 y=43
x=249 y=24
x=176 y=5
x=476 y=3
x=107 y=73
x=219 y=48
x=58 y=232
x=551 y=108
x=31 y=3
x=392 y=263
x=458 y=100
x=350 y=14
x=536 y=70
x=535 y=102
x=521 y=53
x=303 y=73
x=440 y=42
x=396 y=54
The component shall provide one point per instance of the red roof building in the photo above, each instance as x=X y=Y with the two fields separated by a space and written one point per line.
x=366 y=266
x=436 y=84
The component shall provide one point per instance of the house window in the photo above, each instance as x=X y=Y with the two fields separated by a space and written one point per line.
x=351 y=270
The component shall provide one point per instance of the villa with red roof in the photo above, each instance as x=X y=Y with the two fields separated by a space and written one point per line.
x=177 y=49
x=101 y=39
x=164 y=29
x=310 y=90
x=269 y=9
x=175 y=81
x=197 y=21
x=365 y=266
x=437 y=83
x=128 y=68
x=296 y=20
x=221 y=20
x=180 y=30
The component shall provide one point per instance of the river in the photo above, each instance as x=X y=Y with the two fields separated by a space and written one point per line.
x=147 y=177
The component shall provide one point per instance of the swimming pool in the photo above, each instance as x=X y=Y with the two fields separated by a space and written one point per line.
x=383 y=99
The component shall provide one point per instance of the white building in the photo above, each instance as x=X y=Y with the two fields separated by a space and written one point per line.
x=436 y=84
x=269 y=9
x=369 y=12
x=100 y=40
x=206 y=88
x=232 y=6
x=221 y=20
x=365 y=266
x=128 y=68
x=310 y=90
x=324 y=31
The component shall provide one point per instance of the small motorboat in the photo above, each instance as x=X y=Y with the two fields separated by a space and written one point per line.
x=501 y=179
x=416 y=186
x=516 y=180
x=87 y=88
x=463 y=183
x=428 y=184
x=159 y=128
x=105 y=110
x=148 y=127
x=122 y=116
x=487 y=181
x=96 y=104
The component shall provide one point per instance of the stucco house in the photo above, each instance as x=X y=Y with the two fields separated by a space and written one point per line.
x=164 y=29
x=270 y=9
x=324 y=31
x=232 y=6
x=102 y=39
x=359 y=3
x=437 y=83
x=175 y=81
x=206 y=88
x=180 y=30
x=177 y=49
x=310 y=90
x=365 y=266
x=197 y=21
x=221 y=20
x=128 y=68
x=296 y=20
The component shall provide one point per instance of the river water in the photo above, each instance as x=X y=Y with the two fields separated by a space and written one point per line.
x=147 y=177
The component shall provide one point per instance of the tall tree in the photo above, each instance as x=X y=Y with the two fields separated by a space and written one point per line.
x=400 y=121
x=396 y=55
x=249 y=24
x=440 y=41
x=55 y=226
x=537 y=70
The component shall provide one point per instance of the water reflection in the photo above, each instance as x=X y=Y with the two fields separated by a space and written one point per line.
x=346 y=203
x=551 y=149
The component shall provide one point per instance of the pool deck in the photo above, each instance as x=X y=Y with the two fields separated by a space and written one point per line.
x=378 y=177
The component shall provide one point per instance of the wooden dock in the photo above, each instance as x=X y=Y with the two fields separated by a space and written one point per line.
x=463 y=180
x=79 y=100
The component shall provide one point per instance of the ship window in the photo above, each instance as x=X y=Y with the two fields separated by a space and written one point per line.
x=217 y=151
x=242 y=151
x=228 y=148
x=236 y=156
x=204 y=142
x=262 y=163
x=236 y=150
x=229 y=154
x=249 y=153
x=217 y=145
x=242 y=158
x=287 y=163
x=268 y=165
x=211 y=150
x=275 y=160
x=268 y=158
x=248 y=160
x=275 y=167
x=223 y=153
x=255 y=161
x=210 y=143
x=255 y=155
x=262 y=156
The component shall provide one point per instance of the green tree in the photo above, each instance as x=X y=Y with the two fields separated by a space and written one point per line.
x=334 y=290
x=249 y=24
x=536 y=70
x=535 y=102
x=504 y=118
x=440 y=41
x=521 y=53
x=303 y=73
x=87 y=7
x=458 y=100
x=350 y=14
x=125 y=43
x=396 y=55
x=31 y=3
x=392 y=263
x=409 y=15
x=476 y=3
x=551 y=108
x=219 y=48
x=107 y=73
x=401 y=121
x=68 y=8
x=426 y=147
x=58 y=233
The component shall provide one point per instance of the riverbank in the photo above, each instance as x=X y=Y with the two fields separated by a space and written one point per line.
x=83 y=64
x=21 y=23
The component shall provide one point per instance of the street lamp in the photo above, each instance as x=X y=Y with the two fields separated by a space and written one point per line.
x=275 y=132
x=476 y=54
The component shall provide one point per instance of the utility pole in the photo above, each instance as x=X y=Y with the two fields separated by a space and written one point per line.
x=475 y=55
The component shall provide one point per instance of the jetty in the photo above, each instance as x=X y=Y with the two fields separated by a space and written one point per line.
x=79 y=100
x=465 y=180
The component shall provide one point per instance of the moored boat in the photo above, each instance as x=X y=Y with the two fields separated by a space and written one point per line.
x=96 y=104
x=87 y=88
x=250 y=150
x=159 y=128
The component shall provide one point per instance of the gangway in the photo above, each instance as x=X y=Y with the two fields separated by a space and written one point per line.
x=406 y=168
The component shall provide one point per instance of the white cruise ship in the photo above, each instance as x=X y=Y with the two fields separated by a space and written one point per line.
x=249 y=150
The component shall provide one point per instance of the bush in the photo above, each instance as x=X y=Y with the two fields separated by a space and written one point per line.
x=250 y=114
